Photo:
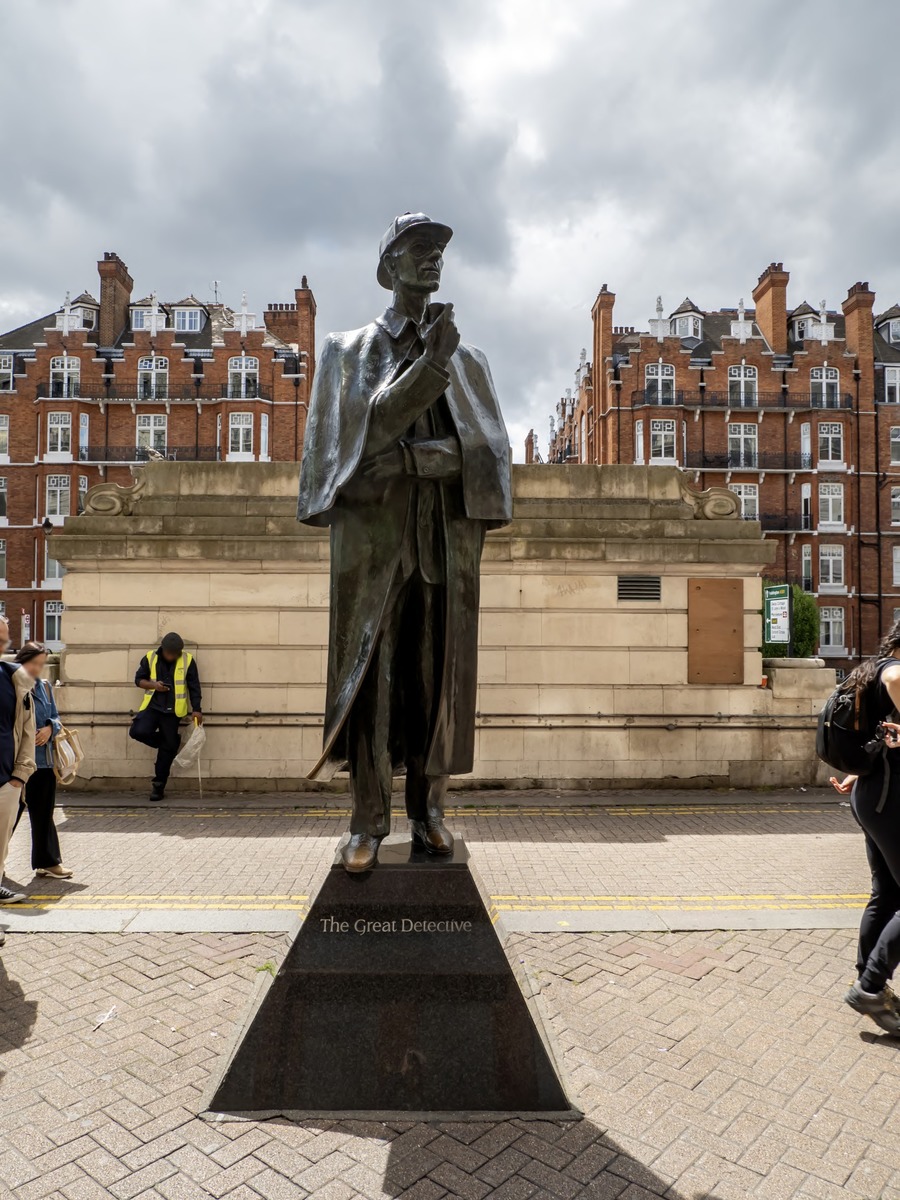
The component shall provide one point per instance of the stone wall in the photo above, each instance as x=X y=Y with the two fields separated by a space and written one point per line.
x=577 y=688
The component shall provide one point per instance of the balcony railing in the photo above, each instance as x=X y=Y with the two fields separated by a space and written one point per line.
x=708 y=398
x=134 y=454
x=143 y=395
x=747 y=460
x=786 y=522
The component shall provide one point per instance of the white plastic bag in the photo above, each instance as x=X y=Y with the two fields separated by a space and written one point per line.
x=190 y=751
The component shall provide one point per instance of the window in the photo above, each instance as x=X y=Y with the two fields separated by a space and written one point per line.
x=806 y=506
x=894 y=332
x=806 y=568
x=187 y=320
x=2 y=559
x=662 y=441
x=805 y=444
x=82 y=491
x=831 y=628
x=742 y=444
x=831 y=567
x=895 y=445
x=896 y=566
x=53 y=611
x=800 y=329
x=748 y=493
x=4 y=435
x=152 y=431
x=139 y=318
x=53 y=569
x=6 y=373
x=240 y=433
x=831 y=504
x=659 y=383
x=59 y=433
x=639 y=443
x=57 y=496
x=896 y=615
x=823 y=385
x=243 y=378
x=831 y=442
x=84 y=436
x=3 y=493
x=65 y=376
x=742 y=386
x=892 y=385
x=582 y=438
x=153 y=378
x=685 y=327
x=264 y=437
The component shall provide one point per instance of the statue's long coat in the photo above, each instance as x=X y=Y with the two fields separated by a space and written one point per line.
x=368 y=520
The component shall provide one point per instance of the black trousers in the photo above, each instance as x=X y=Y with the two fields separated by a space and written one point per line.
x=404 y=678
x=159 y=730
x=39 y=797
x=879 y=933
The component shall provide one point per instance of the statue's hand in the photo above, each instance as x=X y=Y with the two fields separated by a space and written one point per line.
x=382 y=467
x=441 y=337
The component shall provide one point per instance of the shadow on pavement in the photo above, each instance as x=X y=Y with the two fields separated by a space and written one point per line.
x=17 y=1015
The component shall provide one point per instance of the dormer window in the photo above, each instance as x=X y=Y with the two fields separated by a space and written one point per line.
x=686 y=327
x=894 y=331
x=87 y=317
x=140 y=318
x=187 y=320
x=801 y=330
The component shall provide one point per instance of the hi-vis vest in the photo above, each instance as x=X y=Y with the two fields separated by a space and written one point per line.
x=181 y=696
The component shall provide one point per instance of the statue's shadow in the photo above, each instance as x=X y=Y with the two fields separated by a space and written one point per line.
x=516 y=1157
x=17 y=1015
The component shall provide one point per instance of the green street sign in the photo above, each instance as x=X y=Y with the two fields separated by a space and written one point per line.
x=778 y=608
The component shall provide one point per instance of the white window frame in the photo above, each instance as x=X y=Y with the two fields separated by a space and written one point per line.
x=52 y=575
x=639 y=443
x=806 y=572
x=4 y=500
x=84 y=436
x=895 y=445
x=153 y=378
x=240 y=434
x=831 y=568
x=831 y=436
x=892 y=385
x=53 y=613
x=832 y=632
x=743 y=445
x=65 y=377
x=3 y=564
x=243 y=377
x=661 y=430
x=140 y=318
x=748 y=494
x=82 y=491
x=685 y=326
x=825 y=387
x=151 y=432
x=4 y=437
x=659 y=383
x=894 y=331
x=831 y=506
x=895 y=564
x=188 y=320
x=743 y=384
x=7 y=365
x=58 y=498
x=59 y=437
x=264 y=453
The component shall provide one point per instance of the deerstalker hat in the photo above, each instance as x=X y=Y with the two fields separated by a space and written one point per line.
x=396 y=229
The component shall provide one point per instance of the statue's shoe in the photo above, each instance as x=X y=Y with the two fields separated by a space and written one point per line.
x=432 y=836
x=360 y=853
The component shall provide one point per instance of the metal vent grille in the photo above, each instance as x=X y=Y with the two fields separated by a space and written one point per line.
x=639 y=587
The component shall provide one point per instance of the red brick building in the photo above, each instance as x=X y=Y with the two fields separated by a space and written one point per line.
x=88 y=391
x=796 y=410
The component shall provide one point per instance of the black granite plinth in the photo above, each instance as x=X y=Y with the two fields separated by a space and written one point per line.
x=395 y=998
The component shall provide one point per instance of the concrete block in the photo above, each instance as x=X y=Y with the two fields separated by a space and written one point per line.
x=500 y=591
x=573 y=666
x=568 y=591
x=96 y=666
x=576 y=701
x=81 y=588
x=637 y=701
x=504 y=699
x=305 y=627
x=269 y=589
x=657 y=666
x=510 y=628
x=492 y=667
x=675 y=745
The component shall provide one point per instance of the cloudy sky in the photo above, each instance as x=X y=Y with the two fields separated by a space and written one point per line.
x=666 y=148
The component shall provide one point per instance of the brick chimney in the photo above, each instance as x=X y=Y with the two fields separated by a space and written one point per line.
x=115 y=296
x=602 y=313
x=860 y=336
x=770 y=298
x=296 y=323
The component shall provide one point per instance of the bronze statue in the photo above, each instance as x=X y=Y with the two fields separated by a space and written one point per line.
x=406 y=458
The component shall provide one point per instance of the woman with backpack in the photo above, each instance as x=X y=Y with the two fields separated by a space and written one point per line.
x=40 y=791
x=874 y=799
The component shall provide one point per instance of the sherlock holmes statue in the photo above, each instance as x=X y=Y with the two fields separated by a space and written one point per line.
x=406 y=458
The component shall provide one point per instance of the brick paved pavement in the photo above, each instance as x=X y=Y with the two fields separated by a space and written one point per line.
x=715 y=1066
x=554 y=852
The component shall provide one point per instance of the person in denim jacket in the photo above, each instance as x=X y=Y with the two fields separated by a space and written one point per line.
x=40 y=791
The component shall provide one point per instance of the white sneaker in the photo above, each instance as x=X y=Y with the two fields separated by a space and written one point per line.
x=57 y=872
x=8 y=897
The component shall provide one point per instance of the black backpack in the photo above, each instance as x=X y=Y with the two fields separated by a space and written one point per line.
x=848 y=736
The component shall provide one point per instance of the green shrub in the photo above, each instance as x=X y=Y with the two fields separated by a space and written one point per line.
x=805 y=628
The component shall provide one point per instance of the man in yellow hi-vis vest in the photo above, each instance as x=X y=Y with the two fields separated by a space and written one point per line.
x=171 y=680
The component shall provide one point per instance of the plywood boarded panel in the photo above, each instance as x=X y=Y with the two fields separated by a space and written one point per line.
x=715 y=631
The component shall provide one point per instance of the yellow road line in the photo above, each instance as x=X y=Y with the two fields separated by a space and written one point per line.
x=614 y=810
